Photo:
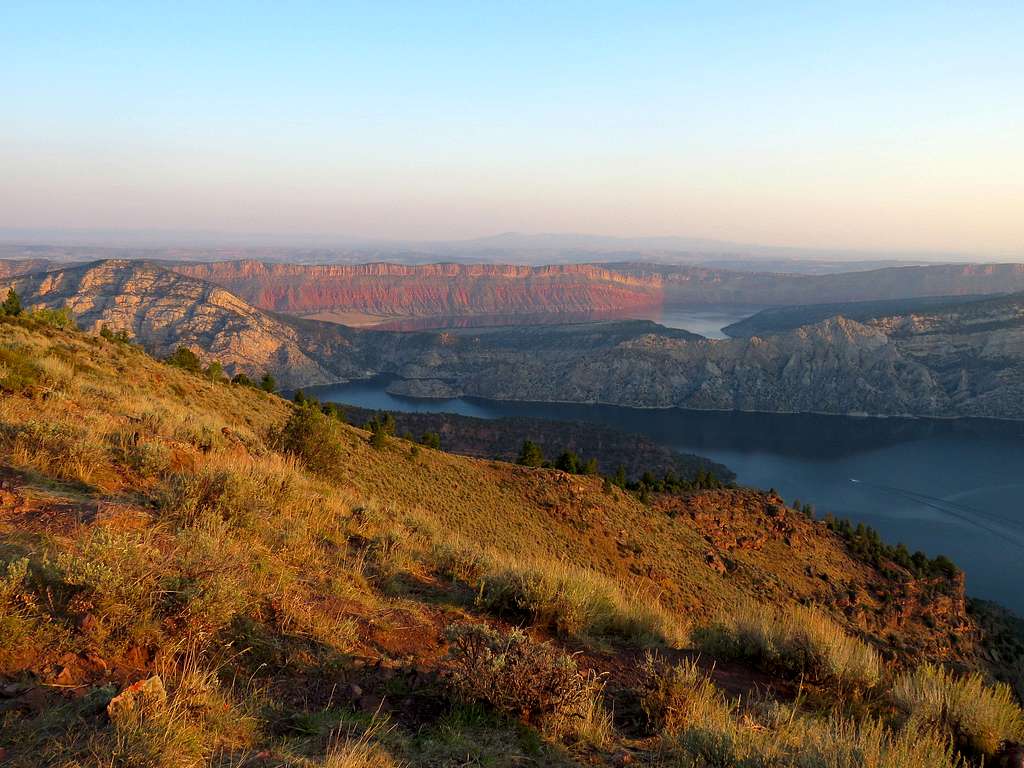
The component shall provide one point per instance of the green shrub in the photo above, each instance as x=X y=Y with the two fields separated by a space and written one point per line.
x=18 y=370
x=121 y=336
x=18 y=609
x=977 y=716
x=112 y=577
x=60 y=450
x=58 y=318
x=11 y=306
x=530 y=455
x=520 y=677
x=215 y=372
x=185 y=359
x=313 y=438
x=239 y=495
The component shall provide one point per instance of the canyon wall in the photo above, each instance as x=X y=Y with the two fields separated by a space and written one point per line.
x=466 y=290
x=429 y=290
x=964 y=360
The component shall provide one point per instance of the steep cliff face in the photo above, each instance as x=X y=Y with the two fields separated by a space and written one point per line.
x=430 y=290
x=837 y=366
x=164 y=310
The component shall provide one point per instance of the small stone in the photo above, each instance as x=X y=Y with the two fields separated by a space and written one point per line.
x=144 y=696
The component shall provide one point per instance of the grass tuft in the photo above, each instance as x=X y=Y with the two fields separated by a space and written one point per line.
x=977 y=716
x=797 y=641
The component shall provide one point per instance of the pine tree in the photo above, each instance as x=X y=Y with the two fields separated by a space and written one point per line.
x=12 y=304
x=185 y=358
x=268 y=383
x=378 y=439
x=567 y=462
x=530 y=455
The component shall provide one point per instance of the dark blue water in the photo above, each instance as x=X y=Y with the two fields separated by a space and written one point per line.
x=952 y=487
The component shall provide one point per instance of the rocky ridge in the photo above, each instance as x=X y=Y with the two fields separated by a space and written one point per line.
x=946 y=363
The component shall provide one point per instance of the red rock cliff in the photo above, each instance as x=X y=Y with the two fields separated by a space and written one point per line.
x=430 y=290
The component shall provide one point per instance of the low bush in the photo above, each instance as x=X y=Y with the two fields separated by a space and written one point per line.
x=520 y=677
x=62 y=451
x=237 y=493
x=674 y=697
x=797 y=641
x=19 y=610
x=18 y=370
x=113 y=578
x=313 y=438
x=186 y=359
x=58 y=318
x=576 y=602
x=977 y=716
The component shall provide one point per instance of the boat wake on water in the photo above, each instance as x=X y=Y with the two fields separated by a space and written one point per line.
x=989 y=522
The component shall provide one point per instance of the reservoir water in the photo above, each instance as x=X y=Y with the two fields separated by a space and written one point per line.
x=952 y=487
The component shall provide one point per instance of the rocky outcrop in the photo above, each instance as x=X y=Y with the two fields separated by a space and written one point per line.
x=838 y=366
x=164 y=310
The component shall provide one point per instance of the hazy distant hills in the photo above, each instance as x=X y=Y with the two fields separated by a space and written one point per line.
x=959 y=360
x=503 y=248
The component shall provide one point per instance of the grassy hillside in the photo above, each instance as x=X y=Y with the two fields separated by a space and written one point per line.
x=199 y=573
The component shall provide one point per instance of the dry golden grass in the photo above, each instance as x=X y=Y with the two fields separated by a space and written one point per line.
x=977 y=716
x=797 y=640
x=274 y=568
x=351 y=750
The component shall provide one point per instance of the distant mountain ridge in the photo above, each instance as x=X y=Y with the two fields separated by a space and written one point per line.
x=953 y=362
x=386 y=290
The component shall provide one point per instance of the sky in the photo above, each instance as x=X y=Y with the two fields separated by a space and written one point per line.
x=889 y=126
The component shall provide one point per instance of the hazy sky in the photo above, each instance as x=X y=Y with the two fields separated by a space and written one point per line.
x=838 y=124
